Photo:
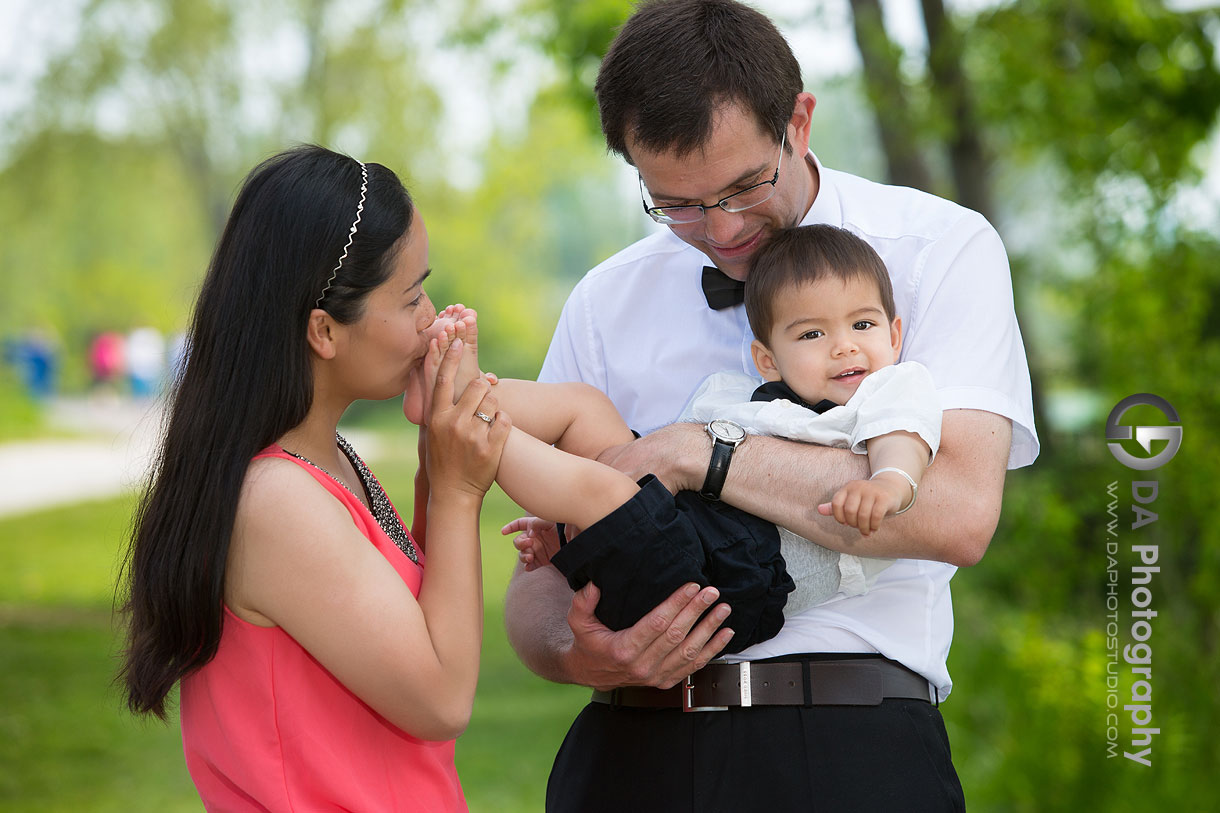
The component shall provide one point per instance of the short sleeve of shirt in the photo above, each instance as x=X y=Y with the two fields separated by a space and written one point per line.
x=572 y=353
x=964 y=330
x=900 y=398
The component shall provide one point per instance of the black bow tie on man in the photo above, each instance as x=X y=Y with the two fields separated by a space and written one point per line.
x=721 y=290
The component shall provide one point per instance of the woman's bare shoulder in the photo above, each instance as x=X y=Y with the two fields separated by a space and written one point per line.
x=282 y=502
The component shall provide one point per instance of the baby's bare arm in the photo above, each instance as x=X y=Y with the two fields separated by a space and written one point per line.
x=577 y=418
x=864 y=503
x=899 y=450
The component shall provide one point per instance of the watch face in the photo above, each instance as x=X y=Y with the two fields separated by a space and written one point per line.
x=726 y=431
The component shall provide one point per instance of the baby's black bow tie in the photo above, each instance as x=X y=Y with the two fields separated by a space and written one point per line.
x=721 y=290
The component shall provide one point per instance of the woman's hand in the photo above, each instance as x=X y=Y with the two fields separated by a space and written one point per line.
x=421 y=380
x=463 y=446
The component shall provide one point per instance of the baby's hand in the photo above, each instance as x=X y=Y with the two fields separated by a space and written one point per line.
x=864 y=503
x=536 y=542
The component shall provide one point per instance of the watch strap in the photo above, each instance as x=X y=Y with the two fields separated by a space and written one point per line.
x=717 y=469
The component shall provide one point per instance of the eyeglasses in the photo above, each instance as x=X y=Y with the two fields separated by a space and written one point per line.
x=737 y=202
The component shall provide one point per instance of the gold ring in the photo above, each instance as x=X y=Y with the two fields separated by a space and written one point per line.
x=483 y=417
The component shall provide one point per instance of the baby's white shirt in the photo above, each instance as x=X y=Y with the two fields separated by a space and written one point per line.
x=901 y=397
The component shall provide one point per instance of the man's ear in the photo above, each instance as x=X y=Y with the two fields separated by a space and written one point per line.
x=764 y=360
x=896 y=336
x=320 y=332
x=802 y=121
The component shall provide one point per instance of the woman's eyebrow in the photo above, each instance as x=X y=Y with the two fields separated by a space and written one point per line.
x=419 y=281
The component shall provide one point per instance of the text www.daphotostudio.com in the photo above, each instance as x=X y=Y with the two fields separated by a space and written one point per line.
x=1134 y=648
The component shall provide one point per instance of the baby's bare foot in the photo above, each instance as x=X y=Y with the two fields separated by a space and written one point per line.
x=465 y=327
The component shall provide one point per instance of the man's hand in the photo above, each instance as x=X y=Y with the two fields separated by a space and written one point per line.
x=660 y=650
x=677 y=454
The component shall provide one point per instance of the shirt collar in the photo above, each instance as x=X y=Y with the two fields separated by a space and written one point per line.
x=827 y=207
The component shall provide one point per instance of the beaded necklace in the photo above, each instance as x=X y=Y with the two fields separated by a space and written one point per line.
x=380 y=506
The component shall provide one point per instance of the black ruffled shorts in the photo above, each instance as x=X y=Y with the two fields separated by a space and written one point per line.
x=651 y=545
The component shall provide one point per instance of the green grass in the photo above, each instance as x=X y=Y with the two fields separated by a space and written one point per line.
x=20 y=416
x=1026 y=719
x=65 y=743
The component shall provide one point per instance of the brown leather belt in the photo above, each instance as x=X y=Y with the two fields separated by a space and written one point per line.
x=720 y=686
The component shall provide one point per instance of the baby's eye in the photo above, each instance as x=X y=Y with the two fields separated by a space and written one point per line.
x=812 y=334
x=863 y=324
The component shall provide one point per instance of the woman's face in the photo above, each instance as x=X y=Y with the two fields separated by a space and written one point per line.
x=387 y=342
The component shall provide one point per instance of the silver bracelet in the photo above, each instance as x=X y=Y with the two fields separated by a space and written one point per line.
x=909 y=479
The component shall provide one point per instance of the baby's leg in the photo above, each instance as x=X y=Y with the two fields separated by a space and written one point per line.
x=558 y=486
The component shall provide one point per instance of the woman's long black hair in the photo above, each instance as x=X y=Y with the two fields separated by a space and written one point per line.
x=246 y=382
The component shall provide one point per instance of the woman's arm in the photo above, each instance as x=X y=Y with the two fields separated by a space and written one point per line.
x=298 y=562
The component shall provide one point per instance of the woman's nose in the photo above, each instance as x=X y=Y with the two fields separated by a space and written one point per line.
x=427 y=313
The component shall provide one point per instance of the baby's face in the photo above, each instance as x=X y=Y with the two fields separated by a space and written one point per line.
x=827 y=337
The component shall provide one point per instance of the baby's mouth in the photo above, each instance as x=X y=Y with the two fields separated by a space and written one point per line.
x=851 y=374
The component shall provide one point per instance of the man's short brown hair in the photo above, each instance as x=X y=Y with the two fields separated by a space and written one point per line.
x=675 y=63
x=799 y=256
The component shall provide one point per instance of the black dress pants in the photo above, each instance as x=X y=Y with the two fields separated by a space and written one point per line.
x=831 y=759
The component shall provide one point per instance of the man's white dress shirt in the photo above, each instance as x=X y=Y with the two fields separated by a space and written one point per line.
x=638 y=328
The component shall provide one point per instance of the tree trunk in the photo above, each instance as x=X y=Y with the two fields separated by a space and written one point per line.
x=968 y=160
x=883 y=82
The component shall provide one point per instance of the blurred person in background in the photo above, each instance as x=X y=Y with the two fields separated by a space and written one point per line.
x=145 y=361
x=106 y=362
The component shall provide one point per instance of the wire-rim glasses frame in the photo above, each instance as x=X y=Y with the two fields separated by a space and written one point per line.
x=694 y=212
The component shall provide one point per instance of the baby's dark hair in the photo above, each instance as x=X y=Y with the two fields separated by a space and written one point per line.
x=801 y=255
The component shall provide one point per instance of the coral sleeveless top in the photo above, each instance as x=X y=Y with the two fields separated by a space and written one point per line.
x=267 y=727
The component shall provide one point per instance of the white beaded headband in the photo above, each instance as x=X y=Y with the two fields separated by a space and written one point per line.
x=351 y=235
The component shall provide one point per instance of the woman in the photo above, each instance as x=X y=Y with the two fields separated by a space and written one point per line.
x=322 y=665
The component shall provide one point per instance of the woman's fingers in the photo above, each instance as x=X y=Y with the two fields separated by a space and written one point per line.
x=442 y=393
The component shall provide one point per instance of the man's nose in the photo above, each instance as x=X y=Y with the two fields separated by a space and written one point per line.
x=721 y=227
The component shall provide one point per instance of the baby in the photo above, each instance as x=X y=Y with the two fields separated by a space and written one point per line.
x=821 y=298
x=821 y=306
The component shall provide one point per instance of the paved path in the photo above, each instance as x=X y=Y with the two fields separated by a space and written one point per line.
x=110 y=453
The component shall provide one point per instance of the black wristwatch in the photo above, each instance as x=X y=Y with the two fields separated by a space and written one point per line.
x=726 y=436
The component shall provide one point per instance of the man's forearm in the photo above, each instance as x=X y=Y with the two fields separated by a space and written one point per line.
x=957 y=510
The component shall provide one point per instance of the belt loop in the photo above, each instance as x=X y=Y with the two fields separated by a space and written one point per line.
x=806 y=684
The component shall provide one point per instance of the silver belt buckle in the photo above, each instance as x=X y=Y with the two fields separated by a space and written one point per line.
x=744 y=687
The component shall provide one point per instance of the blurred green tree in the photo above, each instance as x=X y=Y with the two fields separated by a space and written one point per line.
x=1079 y=127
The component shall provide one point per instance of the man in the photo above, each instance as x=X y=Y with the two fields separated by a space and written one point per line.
x=705 y=99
